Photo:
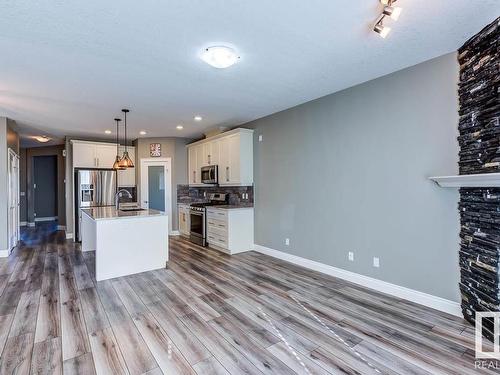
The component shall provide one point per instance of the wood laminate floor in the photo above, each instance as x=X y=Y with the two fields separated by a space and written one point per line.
x=210 y=314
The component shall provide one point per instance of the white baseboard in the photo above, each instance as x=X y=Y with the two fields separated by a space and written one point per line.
x=23 y=223
x=48 y=218
x=31 y=224
x=175 y=233
x=412 y=295
x=69 y=236
x=61 y=227
x=4 y=253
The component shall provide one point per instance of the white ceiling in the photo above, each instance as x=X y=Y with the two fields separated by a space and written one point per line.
x=68 y=67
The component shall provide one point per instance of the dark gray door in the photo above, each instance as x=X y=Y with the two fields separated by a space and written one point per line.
x=45 y=186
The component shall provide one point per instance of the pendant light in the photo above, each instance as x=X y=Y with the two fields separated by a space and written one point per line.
x=126 y=162
x=116 y=164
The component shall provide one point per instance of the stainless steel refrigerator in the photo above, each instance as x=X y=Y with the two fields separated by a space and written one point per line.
x=93 y=188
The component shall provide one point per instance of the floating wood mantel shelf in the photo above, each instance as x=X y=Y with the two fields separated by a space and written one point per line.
x=468 y=180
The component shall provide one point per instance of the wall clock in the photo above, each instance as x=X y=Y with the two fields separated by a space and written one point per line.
x=155 y=150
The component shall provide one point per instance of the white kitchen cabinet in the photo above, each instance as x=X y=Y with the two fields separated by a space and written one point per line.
x=194 y=169
x=126 y=177
x=84 y=155
x=231 y=151
x=230 y=230
x=93 y=154
x=211 y=153
x=105 y=155
x=184 y=223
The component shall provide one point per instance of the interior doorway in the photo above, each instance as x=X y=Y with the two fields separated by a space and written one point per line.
x=45 y=187
x=156 y=186
x=13 y=204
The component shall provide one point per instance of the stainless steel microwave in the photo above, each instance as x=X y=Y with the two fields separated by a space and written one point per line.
x=209 y=174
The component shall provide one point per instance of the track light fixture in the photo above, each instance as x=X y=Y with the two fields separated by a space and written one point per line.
x=390 y=11
x=393 y=12
x=382 y=30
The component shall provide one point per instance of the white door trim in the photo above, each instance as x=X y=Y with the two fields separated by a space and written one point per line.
x=167 y=164
x=13 y=201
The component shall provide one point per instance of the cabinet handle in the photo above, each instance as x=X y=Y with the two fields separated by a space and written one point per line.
x=227 y=174
x=194 y=177
x=208 y=159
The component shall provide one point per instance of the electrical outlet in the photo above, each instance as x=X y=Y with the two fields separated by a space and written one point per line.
x=260 y=137
x=376 y=262
x=351 y=256
x=287 y=241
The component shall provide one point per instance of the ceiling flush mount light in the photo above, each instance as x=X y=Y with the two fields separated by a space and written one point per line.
x=42 y=138
x=179 y=127
x=107 y=131
x=142 y=132
x=220 y=57
x=389 y=11
x=198 y=118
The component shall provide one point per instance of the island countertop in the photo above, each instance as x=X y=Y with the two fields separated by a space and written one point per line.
x=110 y=213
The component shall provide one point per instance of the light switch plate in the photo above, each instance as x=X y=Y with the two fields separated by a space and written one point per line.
x=351 y=256
x=287 y=241
x=260 y=137
x=376 y=262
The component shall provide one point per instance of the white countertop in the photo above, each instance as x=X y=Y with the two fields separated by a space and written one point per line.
x=232 y=207
x=110 y=213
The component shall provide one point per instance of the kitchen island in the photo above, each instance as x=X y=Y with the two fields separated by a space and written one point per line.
x=125 y=241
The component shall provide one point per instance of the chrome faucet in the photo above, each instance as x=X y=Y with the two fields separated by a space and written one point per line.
x=118 y=195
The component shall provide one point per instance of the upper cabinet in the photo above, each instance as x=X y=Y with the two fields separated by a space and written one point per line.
x=231 y=151
x=102 y=155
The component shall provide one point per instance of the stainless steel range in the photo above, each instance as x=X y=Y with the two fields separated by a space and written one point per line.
x=198 y=218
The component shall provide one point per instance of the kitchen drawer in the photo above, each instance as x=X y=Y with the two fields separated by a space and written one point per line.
x=217 y=240
x=216 y=223
x=217 y=231
x=213 y=213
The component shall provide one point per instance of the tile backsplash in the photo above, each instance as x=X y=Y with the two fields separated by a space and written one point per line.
x=187 y=194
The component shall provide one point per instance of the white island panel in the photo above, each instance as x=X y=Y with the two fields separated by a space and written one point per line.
x=125 y=245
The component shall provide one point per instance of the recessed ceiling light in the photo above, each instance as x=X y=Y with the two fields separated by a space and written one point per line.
x=179 y=127
x=107 y=131
x=42 y=138
x=198 y=118
x=220 y=56
x=142 y=132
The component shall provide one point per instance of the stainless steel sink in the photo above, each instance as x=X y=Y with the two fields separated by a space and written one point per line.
x=132 y=209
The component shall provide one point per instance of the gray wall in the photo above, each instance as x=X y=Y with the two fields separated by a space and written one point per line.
x=348 y=172
x=174 y=148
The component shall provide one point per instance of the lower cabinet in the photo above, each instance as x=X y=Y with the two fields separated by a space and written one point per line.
x=184 y=224
x=230 y=230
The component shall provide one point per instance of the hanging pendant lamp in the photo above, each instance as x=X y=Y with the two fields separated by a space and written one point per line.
x=116 y=164
x=126 y=162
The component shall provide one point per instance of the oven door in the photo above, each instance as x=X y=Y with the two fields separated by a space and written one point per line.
x=197 y=227
x=209 y=174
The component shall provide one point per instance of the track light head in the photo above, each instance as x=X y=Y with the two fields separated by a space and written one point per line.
x=392 y=12
x=381 y=30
